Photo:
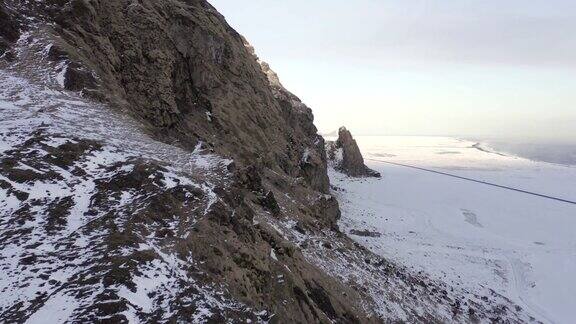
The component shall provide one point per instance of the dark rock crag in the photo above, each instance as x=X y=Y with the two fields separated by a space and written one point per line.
x=189 y=77
x=9 y=28
x=345 y=154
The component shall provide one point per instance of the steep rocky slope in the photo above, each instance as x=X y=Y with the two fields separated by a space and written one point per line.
x=188 y=76
x=153 y=170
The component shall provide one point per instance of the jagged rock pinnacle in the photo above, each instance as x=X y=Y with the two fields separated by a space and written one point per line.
x=346 y=156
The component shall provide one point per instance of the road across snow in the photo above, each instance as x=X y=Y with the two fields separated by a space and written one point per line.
x=472 y=235
x=480 y=182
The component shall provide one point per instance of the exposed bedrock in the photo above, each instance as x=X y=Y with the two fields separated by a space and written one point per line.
x=182 y=70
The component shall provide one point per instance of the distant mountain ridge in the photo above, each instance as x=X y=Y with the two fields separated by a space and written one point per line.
x=545 y=151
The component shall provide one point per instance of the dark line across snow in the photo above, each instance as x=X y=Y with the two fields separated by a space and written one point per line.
x=477 y=181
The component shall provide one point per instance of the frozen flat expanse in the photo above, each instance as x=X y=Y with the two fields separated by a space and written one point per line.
x=473 y=235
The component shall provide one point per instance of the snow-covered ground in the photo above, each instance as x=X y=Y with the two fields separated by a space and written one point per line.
x=470 y=234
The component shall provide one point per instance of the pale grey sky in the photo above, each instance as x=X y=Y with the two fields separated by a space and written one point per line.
x=432 y=67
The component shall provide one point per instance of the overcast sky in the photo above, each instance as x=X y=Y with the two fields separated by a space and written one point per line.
x=422 y=67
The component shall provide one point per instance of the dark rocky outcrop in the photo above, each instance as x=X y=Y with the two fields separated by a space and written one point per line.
x=365 y=233
x=346 y=156
x=9 y=28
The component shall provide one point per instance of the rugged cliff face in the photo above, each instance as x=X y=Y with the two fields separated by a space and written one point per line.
x=152 y=169
x=192 y=82
x=188 y=75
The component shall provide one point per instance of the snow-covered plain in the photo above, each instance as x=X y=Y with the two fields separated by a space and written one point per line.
x=475 y=236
